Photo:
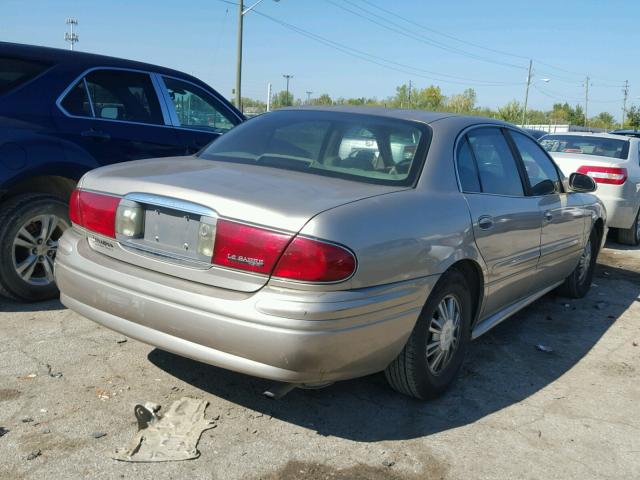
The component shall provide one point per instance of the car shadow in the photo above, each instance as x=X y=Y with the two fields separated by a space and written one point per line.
x=8 y=305
x=503 y=367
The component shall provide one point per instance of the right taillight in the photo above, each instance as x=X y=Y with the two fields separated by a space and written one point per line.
x=309 y=260
x=94 y=211
x=606 y=175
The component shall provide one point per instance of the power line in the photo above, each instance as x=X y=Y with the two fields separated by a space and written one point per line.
x=476 y=45
x=397 y=28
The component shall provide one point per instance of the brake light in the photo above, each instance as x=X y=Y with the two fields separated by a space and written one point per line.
x=249 y=248
x=606 y=175
x=94 y=211
x=310 y=260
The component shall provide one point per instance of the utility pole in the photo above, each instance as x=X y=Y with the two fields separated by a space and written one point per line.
x=526 y=94
x=586 y=102
x=625 y=91
x=269 y=97
x=239 y=60
x=288 y=77
x=308 y=97
x=70 y=36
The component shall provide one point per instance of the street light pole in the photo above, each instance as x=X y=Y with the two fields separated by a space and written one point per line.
x=288 y=77
x=241 y=13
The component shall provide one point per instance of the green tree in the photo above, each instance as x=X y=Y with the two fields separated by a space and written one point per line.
x=464 y=102
x=282 y=99
x=323 y=99
x=633 y=117
x=602 y=120
x=430 y=98
x=511 y=112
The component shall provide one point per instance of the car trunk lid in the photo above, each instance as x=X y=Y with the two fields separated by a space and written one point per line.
x=180 y=194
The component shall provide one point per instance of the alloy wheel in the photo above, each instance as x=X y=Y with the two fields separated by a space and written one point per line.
x=444 y=334
x=585 y=262
x=35 y=246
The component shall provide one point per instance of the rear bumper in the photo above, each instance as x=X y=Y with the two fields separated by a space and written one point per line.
x=280 y=334
x=621 y=212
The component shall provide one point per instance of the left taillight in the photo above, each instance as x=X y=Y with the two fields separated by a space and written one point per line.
x=606 y=175
x=94 y=211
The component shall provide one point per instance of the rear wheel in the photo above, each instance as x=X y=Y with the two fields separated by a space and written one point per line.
x=630 y=236
x=578 y=283
x=30 y=226
x=433 y=355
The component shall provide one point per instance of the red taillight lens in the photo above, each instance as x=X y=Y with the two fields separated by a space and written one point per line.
x=247 y=248
x=608 y=175
x=310 y=260
x=94 y=211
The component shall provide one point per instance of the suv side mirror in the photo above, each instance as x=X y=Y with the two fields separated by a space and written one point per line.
x=579 y=182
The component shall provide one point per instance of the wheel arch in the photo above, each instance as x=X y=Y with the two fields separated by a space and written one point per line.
x=472 y=271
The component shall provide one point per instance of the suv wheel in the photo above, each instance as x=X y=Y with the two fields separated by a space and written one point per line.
x=433 y=355
x=30 y=226
x=630 y=236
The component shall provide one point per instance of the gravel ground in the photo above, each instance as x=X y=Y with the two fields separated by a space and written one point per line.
x=516 y=412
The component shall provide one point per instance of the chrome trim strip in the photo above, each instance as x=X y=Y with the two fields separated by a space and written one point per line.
x=488 y=323
x=171 y=203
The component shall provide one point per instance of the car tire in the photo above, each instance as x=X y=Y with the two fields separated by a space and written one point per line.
x=630 y=236
x=30 y=226
x=414 y=371
x=577 y=284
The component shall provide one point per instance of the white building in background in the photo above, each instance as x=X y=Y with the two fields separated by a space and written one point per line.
x=562 y=128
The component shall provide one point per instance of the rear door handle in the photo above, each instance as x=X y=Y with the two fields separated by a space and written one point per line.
x=485 y=222
x=548 y=216
x=95 y=134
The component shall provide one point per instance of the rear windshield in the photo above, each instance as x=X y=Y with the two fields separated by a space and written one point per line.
x=603 y=147
x=15 y=72
x=351 y=146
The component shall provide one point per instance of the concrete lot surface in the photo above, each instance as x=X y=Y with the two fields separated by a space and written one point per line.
x=516 y=412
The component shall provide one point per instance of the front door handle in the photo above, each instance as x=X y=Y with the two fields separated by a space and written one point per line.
x=548 y=216
x=95 y=134
x=485 y=222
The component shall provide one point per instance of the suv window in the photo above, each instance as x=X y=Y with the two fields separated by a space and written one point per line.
x=15 y=72
x=536 y=163
x=76 y=102
x=124 y=95
x=196 y=108
x=496 y=165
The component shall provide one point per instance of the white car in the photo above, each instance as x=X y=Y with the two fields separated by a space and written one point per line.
x=613 y=161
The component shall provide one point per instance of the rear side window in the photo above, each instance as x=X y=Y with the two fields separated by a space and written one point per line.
x=15 y=72
x=467 y=171
x=76 y=102
x=586 y=145
x=123 y=95
x=496 y=165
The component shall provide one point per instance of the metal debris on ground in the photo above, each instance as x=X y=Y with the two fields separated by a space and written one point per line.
x=3 y=431
x=34 y=455
x=98 y=434
x=26 y=420
x=169 y=437
x=122 y=340
x=544 y=348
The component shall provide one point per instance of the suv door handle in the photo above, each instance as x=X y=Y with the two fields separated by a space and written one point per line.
x=95 y=134
x=548 y=216
x=485 y=222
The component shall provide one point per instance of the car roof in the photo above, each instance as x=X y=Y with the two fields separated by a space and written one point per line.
x=58 y=55
x=592 y=134
x=423 y=116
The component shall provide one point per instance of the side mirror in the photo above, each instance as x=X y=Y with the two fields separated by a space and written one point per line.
x=579 y=182
x=545 y=187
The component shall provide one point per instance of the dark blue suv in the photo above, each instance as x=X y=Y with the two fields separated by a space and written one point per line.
x=63 y=113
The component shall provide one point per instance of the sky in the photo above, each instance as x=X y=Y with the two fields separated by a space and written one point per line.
x=354 y=48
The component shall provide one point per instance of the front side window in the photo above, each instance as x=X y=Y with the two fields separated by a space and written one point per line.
x=123 y=95
x=536 y=164
x=15 y=72
x=497 y=168
x=196 y=108
x=586 y=145
x=352 y=146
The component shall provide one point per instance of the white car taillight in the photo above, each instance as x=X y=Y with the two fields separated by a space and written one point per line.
x=606 y=175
